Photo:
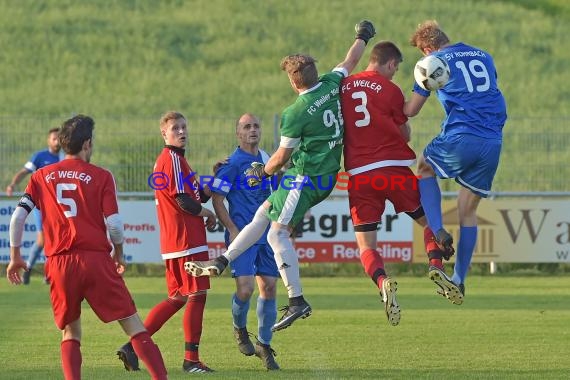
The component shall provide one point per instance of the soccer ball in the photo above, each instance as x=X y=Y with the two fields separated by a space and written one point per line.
x=431 y=73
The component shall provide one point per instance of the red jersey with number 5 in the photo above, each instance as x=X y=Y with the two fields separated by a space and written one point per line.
x=74 y=196
x=181 y=233
x=372 y=107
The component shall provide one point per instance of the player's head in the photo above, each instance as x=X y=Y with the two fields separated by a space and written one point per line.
x=429 y=37
x=385 y=58
x=248 y=130
x=53 y=140
x=301 y=69
x=76 y=136
x=174 y=129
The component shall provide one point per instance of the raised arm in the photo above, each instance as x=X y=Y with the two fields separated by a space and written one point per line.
x=364 y=32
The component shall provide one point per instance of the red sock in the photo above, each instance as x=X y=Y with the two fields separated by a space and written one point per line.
x=192 y=323
x=431 y=246
x=71 y=359
x=373 y=265
x=149 y=353
x=161 y=313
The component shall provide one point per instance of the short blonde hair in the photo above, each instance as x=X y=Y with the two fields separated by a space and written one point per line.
x=301 y=70
x=170 y=115
x=429 y=35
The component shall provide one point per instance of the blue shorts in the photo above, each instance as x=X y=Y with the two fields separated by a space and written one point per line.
x=38 y=219
x=471 y=160
x=258 y=260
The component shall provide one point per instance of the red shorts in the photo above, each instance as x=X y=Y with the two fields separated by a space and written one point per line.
x=181 y=283
x=87 y=275
x=368 y=192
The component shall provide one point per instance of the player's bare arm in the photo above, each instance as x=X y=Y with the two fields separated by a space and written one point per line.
x=364 y=31
x=413 y=106
x=224 y=216
x=278 y=160
x=16 y=180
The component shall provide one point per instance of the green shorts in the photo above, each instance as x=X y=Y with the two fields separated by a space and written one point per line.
x=296 y=194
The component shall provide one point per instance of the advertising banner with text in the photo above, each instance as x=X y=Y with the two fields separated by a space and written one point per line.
x=513 y=231
x=328 y=235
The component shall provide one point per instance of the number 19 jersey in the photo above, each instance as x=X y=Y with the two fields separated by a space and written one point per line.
x=315 y=121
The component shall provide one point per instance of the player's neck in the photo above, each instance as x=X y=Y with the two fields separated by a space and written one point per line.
x=252 y=149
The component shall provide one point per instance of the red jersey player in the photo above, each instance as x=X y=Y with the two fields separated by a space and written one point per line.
x=78 y=204
x=377 y=158
x=182 y=238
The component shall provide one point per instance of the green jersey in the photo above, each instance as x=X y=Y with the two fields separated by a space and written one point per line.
x=314 y=123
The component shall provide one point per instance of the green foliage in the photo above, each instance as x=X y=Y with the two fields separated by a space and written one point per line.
x=507 y=328
x=127 y=62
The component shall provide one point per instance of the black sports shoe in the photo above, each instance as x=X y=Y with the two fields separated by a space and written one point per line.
x=388 y=294
x=26 y=277
x=129 y=358
x=195 y=367
x=267 y=356
x=447 y=288
x=462 y=289
x=208 y=268
x=244 y=343
x=445 y=241
x=292 y=313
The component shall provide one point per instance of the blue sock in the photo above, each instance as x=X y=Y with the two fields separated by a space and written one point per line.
x=431 y=202
x=35 y=252
x=465 y=248
x=239 y=311
x=266 y=317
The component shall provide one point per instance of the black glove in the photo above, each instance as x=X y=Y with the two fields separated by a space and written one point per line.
x=364 y=31
x=255 y=174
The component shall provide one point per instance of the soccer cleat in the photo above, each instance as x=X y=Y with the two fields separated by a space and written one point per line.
x=462 y=289
x=292 y=313
x=244 y=343
x=195 y=367
x=267 y=356
x=208 y=268
x=445 y=242
x=447 y=288
x=26 y=277
x=388 y=293
x=129 y=358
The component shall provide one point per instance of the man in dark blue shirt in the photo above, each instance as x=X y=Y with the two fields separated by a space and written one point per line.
x=38 y=160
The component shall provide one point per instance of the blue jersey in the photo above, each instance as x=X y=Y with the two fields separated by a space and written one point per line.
x=42 y=158
x=243 y=201
x=471 y=99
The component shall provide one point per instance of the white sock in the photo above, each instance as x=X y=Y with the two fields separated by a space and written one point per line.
x=286 y=258
x=249 y=235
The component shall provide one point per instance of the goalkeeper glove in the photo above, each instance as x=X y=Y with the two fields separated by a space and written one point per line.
x=255 y=174
x=364 y=31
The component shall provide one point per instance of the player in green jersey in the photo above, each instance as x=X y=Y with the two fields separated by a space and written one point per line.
x=313 y=128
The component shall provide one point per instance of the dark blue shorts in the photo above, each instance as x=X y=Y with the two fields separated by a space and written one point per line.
x=258 y=260
x=471 y=160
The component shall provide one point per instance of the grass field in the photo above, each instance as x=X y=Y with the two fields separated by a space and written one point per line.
x=508 y=328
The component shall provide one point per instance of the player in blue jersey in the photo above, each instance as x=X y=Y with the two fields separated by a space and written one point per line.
x=257 y=263
x=38 y=160
x=468 y=146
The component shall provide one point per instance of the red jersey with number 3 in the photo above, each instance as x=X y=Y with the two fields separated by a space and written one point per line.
x=372 y=107
x=181 y=233
x=74 y=196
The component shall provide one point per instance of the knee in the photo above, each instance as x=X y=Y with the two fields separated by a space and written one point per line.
x=268 y=290
x=244 y=292
x=424 y=169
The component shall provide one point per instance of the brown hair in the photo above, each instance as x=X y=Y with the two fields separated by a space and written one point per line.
x=429 y=35
x=74 y=132
x=385 y=51
x=53 y=130
x=301 y=70
x=170 y=115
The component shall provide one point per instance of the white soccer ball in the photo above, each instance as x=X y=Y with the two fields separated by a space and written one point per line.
x=431 y=72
